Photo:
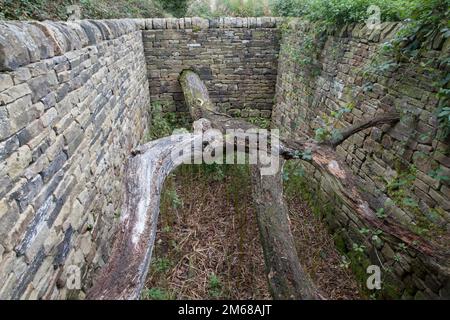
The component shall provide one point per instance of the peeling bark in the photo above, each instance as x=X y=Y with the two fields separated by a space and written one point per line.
x=286 y=277
x=124 y=275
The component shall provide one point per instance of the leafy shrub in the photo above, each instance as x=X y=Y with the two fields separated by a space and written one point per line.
x=230 y=8
x=215 y=286
x=175 y=7
x=289 y=8
x=93 y=9
x=200 y=8
x=162 y=123
x=344 y=11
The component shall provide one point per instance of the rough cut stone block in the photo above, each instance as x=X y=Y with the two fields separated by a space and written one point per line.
x=148 y=24
x=41 y=86
x=159 y=23
x=56 y=38
x=14 y=93
x=18 y=161
x=172 y=23
x=104 y=29
x=20 y=113
x=216 y=23
x=200 y=23
x=21 y=75
x=92 y=32
x=13 y=49
x=252 y=22
x=5 y=81
x=8 y=146
x=54 y=166
x=266 y=22
x=188 y=23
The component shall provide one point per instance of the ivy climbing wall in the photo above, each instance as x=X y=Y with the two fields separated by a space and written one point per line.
x=333 y=80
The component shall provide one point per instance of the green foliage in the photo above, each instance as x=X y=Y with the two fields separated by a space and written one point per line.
x=161 y=265
x=381 y=214
x=163 y=124
x=304 y=155
x=364 y=231
x=260 y=122
x=90 y=9
x=289 y=8
x=329 y=129
x=403 y=180
x=293 y=176
x=215 y=286
x=427 y=21
x=439 y=175
x=174 y=199
x=338 y=12
x=409 y=202
x=305 y=53
x=402 y=247
x=444 y=113
x=199 y=8
x=214 y=171
x=399 y=189
x=175 y=7
x=157 y=294
x=345 y=262
x=360 y=249
x=228 y=8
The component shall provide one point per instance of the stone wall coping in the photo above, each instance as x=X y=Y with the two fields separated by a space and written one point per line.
x=203 y=23
x=25 y=42
x=386 y=31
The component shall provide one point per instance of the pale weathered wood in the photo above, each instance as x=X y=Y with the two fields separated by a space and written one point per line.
x=124 y=275
x=286 y=277
x=324 y=158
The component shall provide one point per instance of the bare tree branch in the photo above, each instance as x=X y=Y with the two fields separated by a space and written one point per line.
x=389 y=118
x=124 y=275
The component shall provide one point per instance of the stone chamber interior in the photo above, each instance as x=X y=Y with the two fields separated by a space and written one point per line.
x=75 y=101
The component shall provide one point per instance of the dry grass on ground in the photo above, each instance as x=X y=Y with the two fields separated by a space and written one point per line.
x=316 y=251
x=208 y=245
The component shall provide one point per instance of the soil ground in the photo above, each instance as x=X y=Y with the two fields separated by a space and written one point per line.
x=207 y=246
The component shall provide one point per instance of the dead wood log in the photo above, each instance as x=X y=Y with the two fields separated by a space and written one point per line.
x=286 y=277
x=124 y=275
x=324 y=158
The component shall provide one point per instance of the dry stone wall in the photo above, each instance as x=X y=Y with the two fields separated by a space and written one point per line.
x=394 y=164
x=73 y=103
x=235 y=57
x=74 y=100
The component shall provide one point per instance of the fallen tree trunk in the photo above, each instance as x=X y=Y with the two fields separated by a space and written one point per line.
x=286 y=277
x=124 y=275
